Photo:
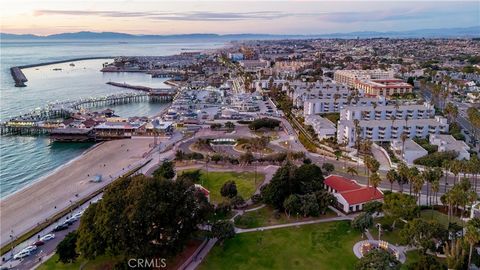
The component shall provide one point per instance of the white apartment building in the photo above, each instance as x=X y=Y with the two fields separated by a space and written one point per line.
x=410 y=150
x=299 y=93
x=388 y=130
x=449 y=143
x=322 y=126
x=328 y=105
x=380 y=111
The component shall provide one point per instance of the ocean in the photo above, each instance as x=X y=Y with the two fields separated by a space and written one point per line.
x=25 y=159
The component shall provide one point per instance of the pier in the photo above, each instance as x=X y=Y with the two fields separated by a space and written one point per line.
x=20 y=78
x=44 y=120
x=156 y=94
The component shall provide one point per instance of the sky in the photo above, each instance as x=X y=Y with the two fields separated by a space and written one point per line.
x=44 y=17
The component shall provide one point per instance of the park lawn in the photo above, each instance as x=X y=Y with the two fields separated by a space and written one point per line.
x=393 y=237
x=440 y=217
x=245 y=181
x=316 y=246
x=266 y=217
x=101 y=262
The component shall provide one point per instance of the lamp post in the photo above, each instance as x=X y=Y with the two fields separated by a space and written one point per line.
x=379 y=226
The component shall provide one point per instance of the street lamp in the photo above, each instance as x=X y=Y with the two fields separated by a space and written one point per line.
x=379 y=226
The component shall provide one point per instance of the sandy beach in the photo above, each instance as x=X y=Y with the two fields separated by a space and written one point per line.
x=22 y=210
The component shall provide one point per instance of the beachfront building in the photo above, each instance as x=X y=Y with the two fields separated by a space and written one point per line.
x=410 y=150
x=388 y=130
x=351 y=196
x=300 y=92
x=449 y=143
x=323 y=127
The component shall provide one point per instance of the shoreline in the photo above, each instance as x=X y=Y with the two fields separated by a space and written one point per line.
x=68 y=183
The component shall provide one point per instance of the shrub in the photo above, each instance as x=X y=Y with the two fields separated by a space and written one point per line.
x=435 y=159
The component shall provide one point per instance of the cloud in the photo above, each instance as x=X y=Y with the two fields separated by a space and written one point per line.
x=335 y=17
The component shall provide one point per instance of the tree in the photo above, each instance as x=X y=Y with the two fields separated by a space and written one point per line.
x=247 y=158
x=375 y=180
x=237 y=201
x=403 y=174
x=362 y=222
x=455 y=255
x=166 y=170
x=378 y=259
x=292 y=204
x=216 y=158
x=328 y=168
x=229 y=189
x=280 y=187
x=421 y=233
x=392 y=177
x=472 y=236
x=142 y=217
x=373 y=207
x=451 y=111
x=352 y=171
x=309 y=178
x=229 y=125
x=309 y=205
x=222 y=230
x=66 y=249
x=400 y=206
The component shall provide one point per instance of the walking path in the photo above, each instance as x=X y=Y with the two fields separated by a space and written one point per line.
x=294 y=224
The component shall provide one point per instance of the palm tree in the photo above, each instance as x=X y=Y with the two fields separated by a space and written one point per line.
x=352 y=171
x=403 y=137
x=403 y=173
x=418 y=182
x=435 y=189
x=446 y=167
x=412 y=173
x=392 y=176
x=472 y=236
x=455 y=168
x=375 y=180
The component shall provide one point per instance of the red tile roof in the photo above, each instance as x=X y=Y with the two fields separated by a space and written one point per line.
x=361 y=195
x=340 y=183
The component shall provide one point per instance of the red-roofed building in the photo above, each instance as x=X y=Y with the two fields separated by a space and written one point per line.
x=205 y=191
x=349 y=194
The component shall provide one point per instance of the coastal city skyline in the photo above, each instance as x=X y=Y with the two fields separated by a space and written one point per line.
x=233 y=17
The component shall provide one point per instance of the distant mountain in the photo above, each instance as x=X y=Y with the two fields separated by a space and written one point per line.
x=473 y=31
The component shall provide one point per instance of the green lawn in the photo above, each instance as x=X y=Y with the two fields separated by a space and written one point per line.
x=316 y=246
x=440 y=217
x=245 y=181
x=101 y=262
x=265 y=217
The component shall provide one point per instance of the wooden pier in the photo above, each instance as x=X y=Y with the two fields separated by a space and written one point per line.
x=44 y=120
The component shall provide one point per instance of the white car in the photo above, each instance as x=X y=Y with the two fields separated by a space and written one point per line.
x=21 y=254
x=30 y=248
x=47 y=237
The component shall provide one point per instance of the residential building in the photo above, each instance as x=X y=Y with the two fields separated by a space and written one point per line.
x=351 y=197
x=380 y=111
x=322 y=126
x=388 y=130
x=328 y=105
x=410 y=150
x=383 y=87
x=449 y=143
x=351 y=77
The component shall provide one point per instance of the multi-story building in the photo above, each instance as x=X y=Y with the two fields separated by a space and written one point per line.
x=388 y=130
x=328 y=105
x=322 y=126
x=380 y=111
x=383 y=87
x=373 y=82
x=449 y=143
x=350 y=77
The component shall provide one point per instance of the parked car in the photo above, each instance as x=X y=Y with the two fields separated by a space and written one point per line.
x=47 y=237
x=31 y=248
x=22 y=254
x=60 y=227
x=39 y=243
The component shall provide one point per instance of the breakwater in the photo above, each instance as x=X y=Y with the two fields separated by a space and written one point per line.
x=20 y=79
